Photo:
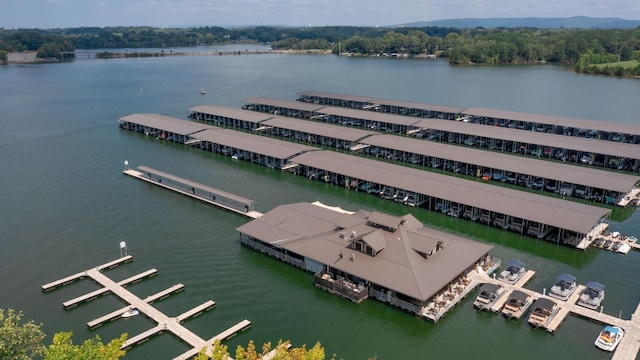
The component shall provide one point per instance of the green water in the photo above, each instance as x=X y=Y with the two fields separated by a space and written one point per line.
x=66 y=205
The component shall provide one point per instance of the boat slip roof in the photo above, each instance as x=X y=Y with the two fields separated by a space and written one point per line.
x=166 y=123
x=190 y=183
x=314 y=127
x=561 y=171
x=263 y=145
x=389 y=102
x=563 y=214
x=497 y=114
x=369 y=115
x=284 y=103
x=233 y=113
x=312 y=231
x=533 y=137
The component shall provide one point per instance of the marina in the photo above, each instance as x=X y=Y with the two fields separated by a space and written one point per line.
x=542 y=217
x=164 y=322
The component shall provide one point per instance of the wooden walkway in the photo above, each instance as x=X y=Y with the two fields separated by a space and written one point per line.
x=195 y=195
x=627 y=349
x=164 y=322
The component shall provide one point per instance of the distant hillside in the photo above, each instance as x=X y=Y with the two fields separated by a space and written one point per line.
x=576 y=22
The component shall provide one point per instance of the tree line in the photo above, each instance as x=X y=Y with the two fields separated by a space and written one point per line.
x=578 y=47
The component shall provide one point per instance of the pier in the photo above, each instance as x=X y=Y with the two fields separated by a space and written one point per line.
x=204 y=193
x=164 y=322
x=629 y=345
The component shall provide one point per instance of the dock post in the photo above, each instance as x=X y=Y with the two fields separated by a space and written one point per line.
x=123 y=249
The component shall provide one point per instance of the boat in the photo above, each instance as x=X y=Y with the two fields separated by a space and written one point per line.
x=131 y=312
x=609 y=337
x=489 y=294
x=564 y=287
x=514 y=271
x=517 y=304
x=544 y=310
x=599 y=242
x=592 y=295
x=203 y=91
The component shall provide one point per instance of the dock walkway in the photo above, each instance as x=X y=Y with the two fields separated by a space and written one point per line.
x=164 y=322
x=196 y=191
x=628 y=347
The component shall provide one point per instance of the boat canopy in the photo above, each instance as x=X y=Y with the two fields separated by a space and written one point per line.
x=611 y=329
x=567 y=278
x=490 y=288
x=595 y=286
x=515 y=264
x=519 y=295
x=544 y=303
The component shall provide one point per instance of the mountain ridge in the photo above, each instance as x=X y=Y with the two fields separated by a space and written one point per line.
x=575 y=22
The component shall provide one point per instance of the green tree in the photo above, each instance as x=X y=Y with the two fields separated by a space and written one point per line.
x=19 y=341
x=64 y=349
x=49 y=50
x=4 y=56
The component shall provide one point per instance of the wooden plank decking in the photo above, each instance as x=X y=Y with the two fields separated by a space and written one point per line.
x=80 y=275
x=164 y=322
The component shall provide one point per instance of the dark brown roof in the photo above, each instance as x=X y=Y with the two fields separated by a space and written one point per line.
x=311 y=231
x=162 y=122
x=329 y=95
x=232 y=113
x=314 y=127
x=606 y=126
x=533 y=137
x=561 y=171
x=543 y=209
x=369 y=115
x=296 y=105
x=263 y=145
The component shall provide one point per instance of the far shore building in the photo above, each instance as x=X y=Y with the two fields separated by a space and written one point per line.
x=394 y=259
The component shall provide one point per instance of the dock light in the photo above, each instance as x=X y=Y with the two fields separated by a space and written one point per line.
x=126 y=165
x=123 y=248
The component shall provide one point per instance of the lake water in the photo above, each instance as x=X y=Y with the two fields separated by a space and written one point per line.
x=66 y=205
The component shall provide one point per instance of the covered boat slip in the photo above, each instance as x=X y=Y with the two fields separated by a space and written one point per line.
x=601 y=130
x=259 y=149
x=223 y=115
x=580 y=150
x=571 y=221
x=163 y=127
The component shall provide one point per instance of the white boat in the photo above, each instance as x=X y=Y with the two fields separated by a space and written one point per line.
x=514 y=271
x=564 y=287
x=592 y=295
x=543 y=312
x=129 y=313
x=517 y=304
x=609 y=338
x=489 y=294
x=203 y=91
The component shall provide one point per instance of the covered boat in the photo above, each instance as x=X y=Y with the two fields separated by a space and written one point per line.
x=563 y=288
x=592 y=295
x=543 y=311
x=517 y=304
x=514 y=271
x=488 y=295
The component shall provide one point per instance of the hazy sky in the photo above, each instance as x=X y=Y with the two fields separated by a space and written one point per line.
x=225 y=13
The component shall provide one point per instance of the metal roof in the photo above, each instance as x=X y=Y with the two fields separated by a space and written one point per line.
x=190 y=183
x=612 y=127
x=561 y=171
x=544 y=303
x=421 y=106
x=232 y=113
x=543 y=209
x=263 y=145
x=369 y=115
x=533 y=137
x=296 y=105
x=166 y=123
x=329 y=95
x=311 y=231
x=314 y=127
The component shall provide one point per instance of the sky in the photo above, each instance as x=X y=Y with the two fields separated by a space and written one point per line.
x=228 y=13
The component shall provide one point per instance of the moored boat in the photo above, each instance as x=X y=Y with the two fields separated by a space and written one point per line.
x=489 y=294
x=543 y=311
x=514 y=271
x=592 y=295
x=129 y=313
x=609 y=338
x=564 y=287
x=517 y=304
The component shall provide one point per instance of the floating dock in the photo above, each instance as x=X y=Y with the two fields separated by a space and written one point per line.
x=204 y=193
x=628 y=347
x=164 y=322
